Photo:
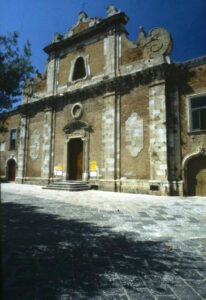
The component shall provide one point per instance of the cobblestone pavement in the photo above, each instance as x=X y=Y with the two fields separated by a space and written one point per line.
x=101 y=245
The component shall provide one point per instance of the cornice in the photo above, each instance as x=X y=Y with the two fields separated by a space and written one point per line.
x=10 y=113
x=119 y=85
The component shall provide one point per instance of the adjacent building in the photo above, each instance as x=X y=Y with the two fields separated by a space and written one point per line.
x=115 y=113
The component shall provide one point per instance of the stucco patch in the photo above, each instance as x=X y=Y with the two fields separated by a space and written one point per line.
x=35 y=144
x=134 y=134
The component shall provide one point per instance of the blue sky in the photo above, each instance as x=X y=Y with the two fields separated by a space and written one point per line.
x=38 y=20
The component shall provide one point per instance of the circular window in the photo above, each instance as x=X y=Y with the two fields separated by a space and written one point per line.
x=77 y=111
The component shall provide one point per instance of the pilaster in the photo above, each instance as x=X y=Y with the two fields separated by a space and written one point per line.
x=158 y=132
x=22 y=149
x=47 y=144
x=112 y=53
x=111 y=140
x=52 y=74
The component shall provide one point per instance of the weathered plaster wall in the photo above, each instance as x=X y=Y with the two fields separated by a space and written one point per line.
x=130 y=51
x=135 y=134
x=61 y=119
x=35 y=141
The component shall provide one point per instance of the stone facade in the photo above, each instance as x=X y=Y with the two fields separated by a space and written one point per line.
x=112 y=112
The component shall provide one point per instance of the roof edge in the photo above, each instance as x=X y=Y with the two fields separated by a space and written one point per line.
x=120 y=18
x=195 y=62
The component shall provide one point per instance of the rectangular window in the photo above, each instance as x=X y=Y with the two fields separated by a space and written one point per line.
x=198 y=113
x=12 y=139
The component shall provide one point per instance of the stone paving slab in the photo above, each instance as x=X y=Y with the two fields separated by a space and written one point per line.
x=102 y=245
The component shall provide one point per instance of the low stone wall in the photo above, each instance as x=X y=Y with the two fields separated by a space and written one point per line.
x=32 y=180
x=151 y=187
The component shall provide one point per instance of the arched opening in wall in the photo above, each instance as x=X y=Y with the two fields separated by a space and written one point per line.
x=75 y=159
x=11 y=169
x=196 y=176
x=79 y=69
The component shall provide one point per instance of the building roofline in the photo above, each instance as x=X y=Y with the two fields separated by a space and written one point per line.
x=120 y=18
x=195 y=62
x=5 y=114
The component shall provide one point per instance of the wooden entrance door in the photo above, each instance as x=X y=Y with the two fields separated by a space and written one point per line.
x=75 y=159
x=201 y=183
x=11 y=165
x=196 y=177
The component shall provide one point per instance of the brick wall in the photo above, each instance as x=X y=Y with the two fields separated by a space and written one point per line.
x=96 y=61
x=130 y=52
x=135 y=167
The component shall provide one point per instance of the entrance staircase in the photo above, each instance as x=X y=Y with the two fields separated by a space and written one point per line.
x=71 y=185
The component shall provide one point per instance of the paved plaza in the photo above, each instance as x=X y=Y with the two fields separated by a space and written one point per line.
x=101 y=245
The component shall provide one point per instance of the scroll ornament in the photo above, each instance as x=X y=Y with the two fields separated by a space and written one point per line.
x=157 y=42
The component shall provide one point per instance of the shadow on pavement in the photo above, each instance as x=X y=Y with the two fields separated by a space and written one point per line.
x=46 y=257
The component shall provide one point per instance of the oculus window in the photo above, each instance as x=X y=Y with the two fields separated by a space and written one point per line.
x=79 y=69
x=198 y=113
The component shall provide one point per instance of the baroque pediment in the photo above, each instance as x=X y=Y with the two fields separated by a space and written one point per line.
x=83 y=22
x=75 y=125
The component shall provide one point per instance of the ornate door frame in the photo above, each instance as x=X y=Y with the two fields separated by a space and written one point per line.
x=73 y=130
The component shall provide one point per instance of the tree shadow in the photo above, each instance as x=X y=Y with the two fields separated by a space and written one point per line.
x=47 y=257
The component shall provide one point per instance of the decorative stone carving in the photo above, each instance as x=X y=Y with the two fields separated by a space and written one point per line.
x=35 y=144
x=156 y=43
x=83 y=22
x=76 y=125
x=82 y=16
x=112 y=10
x=134 y=134
x=57 y=37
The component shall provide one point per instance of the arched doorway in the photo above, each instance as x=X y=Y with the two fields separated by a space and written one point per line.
x=11 y=169
x=75 y=159
x=196 y=176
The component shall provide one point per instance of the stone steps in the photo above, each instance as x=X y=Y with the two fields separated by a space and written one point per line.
x=68 y=186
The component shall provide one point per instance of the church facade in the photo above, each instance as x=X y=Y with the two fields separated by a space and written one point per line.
x=111 y=112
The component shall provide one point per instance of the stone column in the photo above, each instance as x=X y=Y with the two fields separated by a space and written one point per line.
x=47 y=145
x=22 y=146
x=158 y=133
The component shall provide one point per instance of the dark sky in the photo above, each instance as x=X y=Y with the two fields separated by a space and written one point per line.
x=38 y=20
